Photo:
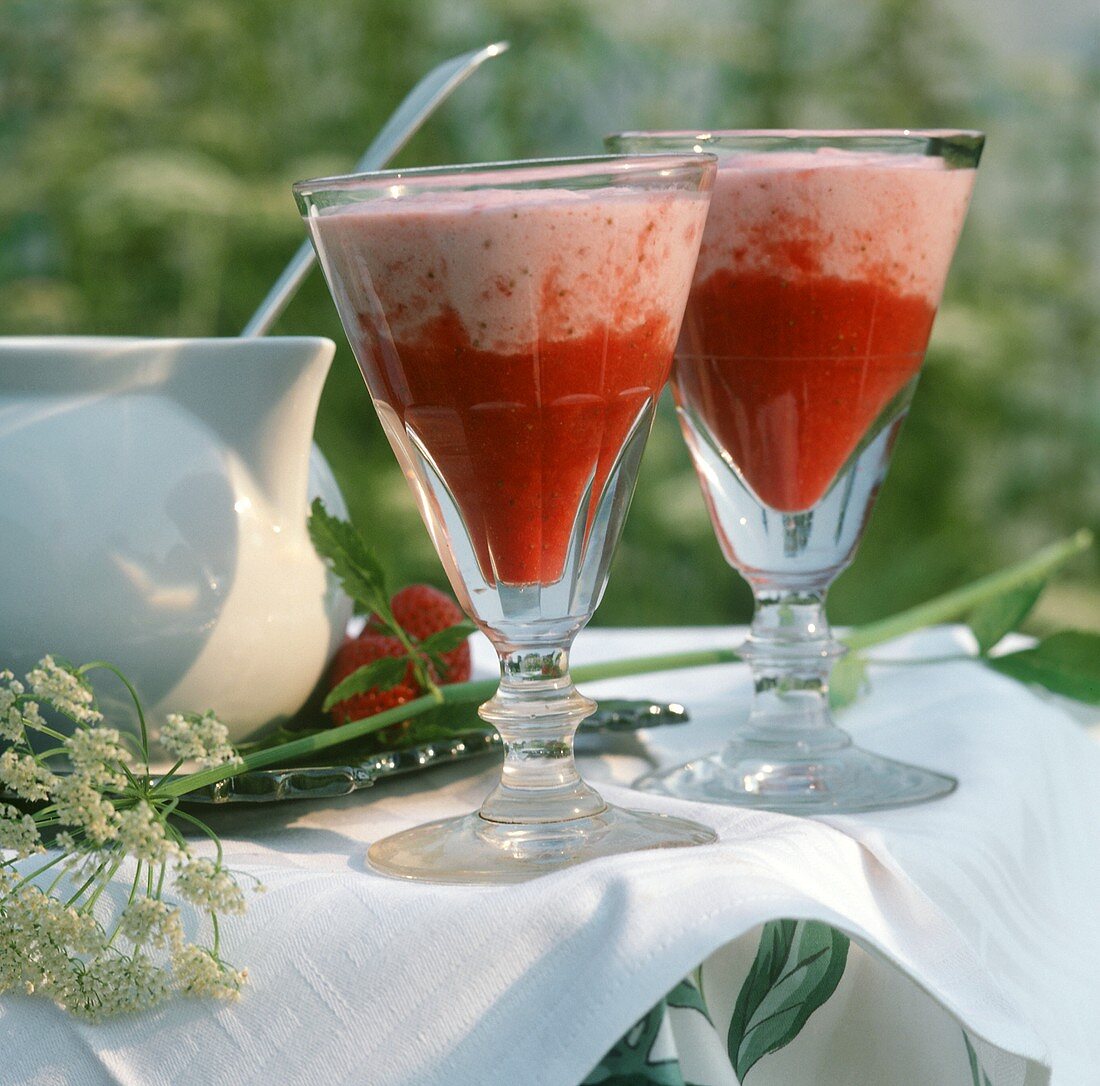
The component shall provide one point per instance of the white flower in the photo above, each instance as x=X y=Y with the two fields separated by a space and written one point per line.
x=25 y=777
x=199 y=973
x=148 y=920
x=11 y=722
x=11 y=712
x=209 y=886
x=18 y=832
x=96 y=753
x=142 y=834
x=80 y=806
x=64 y=690
x=203 y=739
x=113 y=984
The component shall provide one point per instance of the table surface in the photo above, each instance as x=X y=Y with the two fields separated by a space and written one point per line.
x=973 y=914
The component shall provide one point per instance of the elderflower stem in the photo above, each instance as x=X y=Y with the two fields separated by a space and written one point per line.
x=90 y=903
x=53 y=885
x=200 y=825
x=91 y=878
x=33 y=875
x=129 y=901
x=105 y=665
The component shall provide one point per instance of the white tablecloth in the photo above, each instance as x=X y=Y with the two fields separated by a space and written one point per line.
x=979 y=911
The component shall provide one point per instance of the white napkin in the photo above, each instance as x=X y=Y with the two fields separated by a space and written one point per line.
x=985 y=900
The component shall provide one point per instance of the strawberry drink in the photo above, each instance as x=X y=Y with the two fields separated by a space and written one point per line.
x=814 y=296
x=525 y=335
x=820 y=272
x=515 y=324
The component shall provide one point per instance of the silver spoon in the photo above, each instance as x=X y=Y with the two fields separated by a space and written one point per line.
x=417 y=107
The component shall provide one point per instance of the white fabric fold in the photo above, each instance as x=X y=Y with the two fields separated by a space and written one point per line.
x=985 y=901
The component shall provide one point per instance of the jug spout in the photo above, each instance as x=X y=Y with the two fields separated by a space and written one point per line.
x=261 y=400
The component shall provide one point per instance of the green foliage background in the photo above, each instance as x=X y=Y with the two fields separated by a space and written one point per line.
x=147 y=147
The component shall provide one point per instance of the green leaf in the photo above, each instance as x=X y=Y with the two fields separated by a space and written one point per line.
x=976 y=1072
x=689 y=997
x=358 y=570
x=1067 y=663
x=377 y=675
x=797 y=968
x=847 y=680
x=1001 y=614
x=630 y=1063
x=448 y=639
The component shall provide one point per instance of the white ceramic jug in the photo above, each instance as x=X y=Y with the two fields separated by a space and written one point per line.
x=153 y=505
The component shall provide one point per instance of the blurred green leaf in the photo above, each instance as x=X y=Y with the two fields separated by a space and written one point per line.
x=1001 y=615
x=1067 y=663
x=847 y=680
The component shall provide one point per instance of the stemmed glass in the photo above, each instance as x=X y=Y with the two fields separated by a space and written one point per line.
x=515 y=324
x=821 y=268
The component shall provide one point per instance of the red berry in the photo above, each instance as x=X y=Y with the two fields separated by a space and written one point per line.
x=420 y=610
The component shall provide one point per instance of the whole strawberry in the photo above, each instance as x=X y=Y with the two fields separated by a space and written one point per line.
x=420 y=610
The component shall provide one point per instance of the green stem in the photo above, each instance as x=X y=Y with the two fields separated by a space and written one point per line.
x=90 y=903
x=105 y=665
x=957 y=604
x=129 y=901
x=34 y=874
x=204 y=828
x=946 y=608
x=88 y=882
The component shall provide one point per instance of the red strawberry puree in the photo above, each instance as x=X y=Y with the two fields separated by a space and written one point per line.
x=814 y=296
x=517 y=337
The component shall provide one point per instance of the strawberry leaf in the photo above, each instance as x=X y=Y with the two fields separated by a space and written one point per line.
x=377 y=675
x=1000 y=615
x=1067 y=663
x=448 y=639
x=358 y=570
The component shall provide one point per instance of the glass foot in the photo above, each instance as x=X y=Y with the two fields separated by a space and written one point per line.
x=840 y=782
x=473 y=849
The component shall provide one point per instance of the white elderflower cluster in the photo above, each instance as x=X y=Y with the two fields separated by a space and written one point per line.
x=148 y=920
x=200 y=973
x=19 y=832
x=81 y=806
x=143 y=835
x=92 y=953
x=24 y=775
x=17 y=713
x=198 y=738
x=65 y=690
x=113 y=984
x=97 y=755
x=208 y=885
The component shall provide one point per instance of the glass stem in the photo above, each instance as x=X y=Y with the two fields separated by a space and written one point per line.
x=791 y=651
x=537 y=710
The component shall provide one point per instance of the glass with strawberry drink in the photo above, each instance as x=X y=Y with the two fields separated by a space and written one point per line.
x=821 y=268
x=515 y=324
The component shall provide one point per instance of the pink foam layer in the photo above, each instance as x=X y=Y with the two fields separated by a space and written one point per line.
x=515 y=264
x=849 y=214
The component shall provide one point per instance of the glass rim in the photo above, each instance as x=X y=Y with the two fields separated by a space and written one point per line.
x=495 y=174
x=801 y=133
x=962 y=147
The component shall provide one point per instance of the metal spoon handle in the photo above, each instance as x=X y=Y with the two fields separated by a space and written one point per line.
x=403 y=124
